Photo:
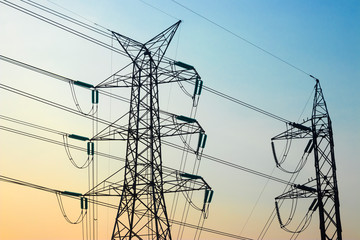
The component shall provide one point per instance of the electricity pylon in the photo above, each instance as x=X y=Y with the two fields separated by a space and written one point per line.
x=325 y=190
x=142 y=210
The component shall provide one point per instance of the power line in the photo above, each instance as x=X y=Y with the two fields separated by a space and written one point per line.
x=56 y=142
x=272 y=216
x=36 y=69
x=211 y=158
x=96 y=24
x=230 y=164
x=98 y=42
x=253 y=108
x=158 y=9
x=168 y=143
x=241 y=38
x=247 y=105
x=49 y=140
x=50 y=190
x=211 y=90
x=63 y=27
x=70 y=19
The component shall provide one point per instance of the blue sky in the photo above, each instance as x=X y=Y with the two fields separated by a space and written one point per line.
x=320 y=38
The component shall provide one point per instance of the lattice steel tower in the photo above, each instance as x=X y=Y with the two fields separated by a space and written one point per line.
x=324 y=189
x=142 y=210
x=143 y=173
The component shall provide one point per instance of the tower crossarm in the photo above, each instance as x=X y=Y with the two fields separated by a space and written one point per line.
x=175 y=125
x=174 y=181
x=307 y=190
x=168 y=72
x=170 y=125
x=295 y=131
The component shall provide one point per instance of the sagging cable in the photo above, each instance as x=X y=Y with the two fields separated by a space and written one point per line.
x=274 y=154
x=84 y=206
x=198 y=82
x=285 y=152
x=90 y=150
x=94 y=96
x=278 y=214
x=303 y=160
x=179 y=178
x=187 y=146
x=184 y=90
x=291 y=214
x=303 y=224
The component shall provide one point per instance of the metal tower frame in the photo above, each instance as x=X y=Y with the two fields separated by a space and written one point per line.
x=325 y=190
x=142 y=210
x=143 y=182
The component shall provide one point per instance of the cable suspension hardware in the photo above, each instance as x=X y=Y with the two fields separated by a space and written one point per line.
x=83 y=205
x=90 y=151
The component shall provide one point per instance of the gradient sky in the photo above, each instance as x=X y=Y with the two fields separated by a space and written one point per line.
x=320 y=38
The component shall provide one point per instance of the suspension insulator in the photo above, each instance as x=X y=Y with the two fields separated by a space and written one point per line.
x=196 y=87
x=184 y=65
x=71 y=193
x=210 y=196
x=316 y=206
x=312 y=204
x=78 y=137
x=300 y=126
x=204 y=141
x=90 y=148
x=201 y=142
x=84 y=203
x=95 y=97
x=206 y=195
x=191 y=176
x=185 y=119
x=305 y=188
x=200 y=87
x=311 y=148
x=308 y=146
x=83 y=84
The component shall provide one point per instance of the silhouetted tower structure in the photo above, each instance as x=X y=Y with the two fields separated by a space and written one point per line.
x=142 y=193
x=324 y=189
x=142 y=210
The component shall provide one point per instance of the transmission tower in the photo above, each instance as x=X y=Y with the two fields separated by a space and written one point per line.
x=324 y=188
x=142 y=212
